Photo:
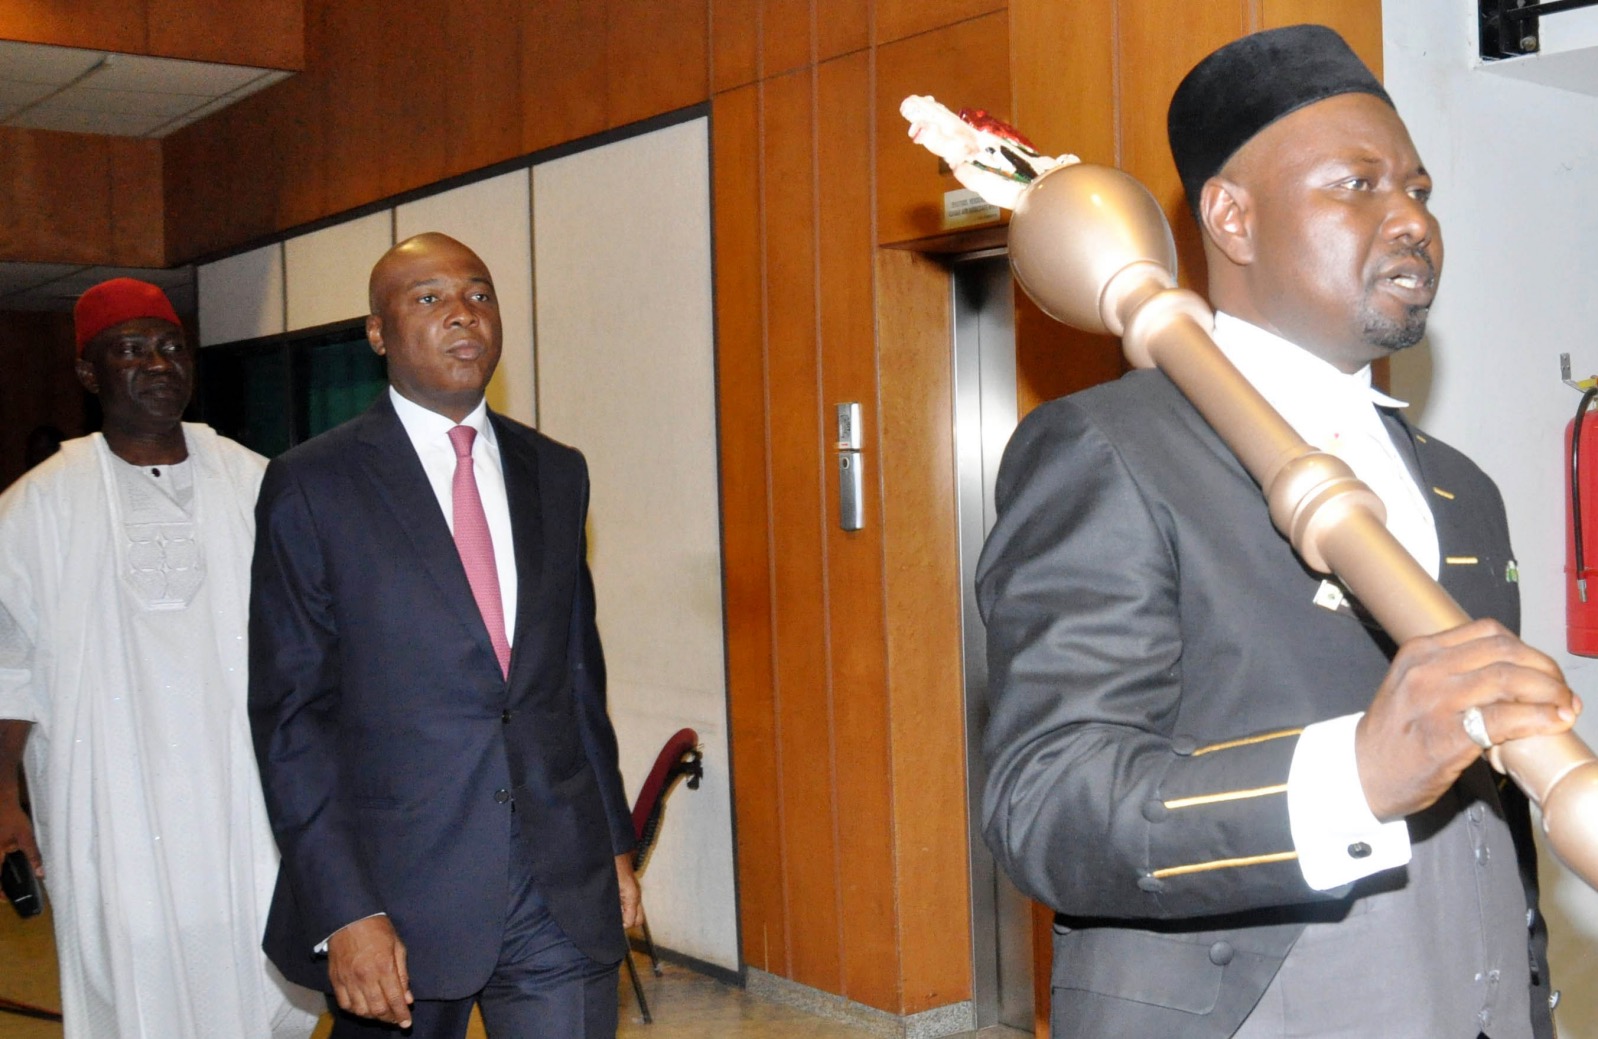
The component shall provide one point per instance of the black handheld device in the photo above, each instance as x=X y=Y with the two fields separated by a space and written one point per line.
x=21 y=886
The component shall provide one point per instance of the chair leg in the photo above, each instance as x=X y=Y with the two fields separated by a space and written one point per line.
x=638 y=988
x=649 y=943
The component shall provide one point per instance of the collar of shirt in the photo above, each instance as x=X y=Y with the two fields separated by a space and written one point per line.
x=1310 y=393
x=429 y=431
x=1336 y=412
x=429 y=435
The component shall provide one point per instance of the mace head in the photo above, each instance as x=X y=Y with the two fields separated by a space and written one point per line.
x=1087 y=243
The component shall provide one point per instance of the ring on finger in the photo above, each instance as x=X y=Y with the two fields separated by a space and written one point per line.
x=1476 y=728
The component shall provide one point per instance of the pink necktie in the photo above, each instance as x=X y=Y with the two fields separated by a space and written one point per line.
x=476 y=545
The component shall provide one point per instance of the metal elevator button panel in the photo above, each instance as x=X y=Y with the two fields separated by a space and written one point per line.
x=501 y=796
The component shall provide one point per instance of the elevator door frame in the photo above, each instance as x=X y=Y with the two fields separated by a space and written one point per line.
x=985 y=415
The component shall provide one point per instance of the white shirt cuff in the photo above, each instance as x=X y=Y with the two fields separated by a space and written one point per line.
x=321 y=946
x=1337 y=838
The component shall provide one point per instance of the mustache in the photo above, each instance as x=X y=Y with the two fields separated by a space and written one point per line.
x=1419 y=253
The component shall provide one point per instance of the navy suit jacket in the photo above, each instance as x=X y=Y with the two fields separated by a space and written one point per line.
x=403 y=773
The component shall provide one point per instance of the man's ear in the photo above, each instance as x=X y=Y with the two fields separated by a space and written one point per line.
x=374 y=334
x=85 y=373
x=1226 y=213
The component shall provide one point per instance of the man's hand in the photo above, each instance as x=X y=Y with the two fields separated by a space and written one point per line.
x=16 y=829
x=366 y=963
x=632 y=898
x=1411 y=744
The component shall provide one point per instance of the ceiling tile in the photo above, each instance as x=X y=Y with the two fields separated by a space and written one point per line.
x=51 y=116
x=15 y=93
x=129 y=102
x=172 y=76
x=40 y=63
x=19 y=277
x=56 y=287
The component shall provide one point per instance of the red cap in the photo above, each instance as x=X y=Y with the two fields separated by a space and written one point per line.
x=112 y=302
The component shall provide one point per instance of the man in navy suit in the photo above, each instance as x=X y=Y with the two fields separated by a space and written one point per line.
x=427 y=695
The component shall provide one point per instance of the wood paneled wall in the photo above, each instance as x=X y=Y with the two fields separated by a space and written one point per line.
x=80 y=198
x=262 y=33
x=395 y=97
x=40 y=387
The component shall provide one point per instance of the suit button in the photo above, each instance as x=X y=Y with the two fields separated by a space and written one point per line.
x=1184 y=745
x=1359 y=850
x=1154 y=810
x=1221 y=953
x=501 y=796
x=1152 y=885
x=505 y=717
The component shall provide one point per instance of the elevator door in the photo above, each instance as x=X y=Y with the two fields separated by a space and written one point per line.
x=985 y=416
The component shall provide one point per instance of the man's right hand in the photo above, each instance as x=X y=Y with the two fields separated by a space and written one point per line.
x=16 y=831
x=1411 y=744
x=366 y=963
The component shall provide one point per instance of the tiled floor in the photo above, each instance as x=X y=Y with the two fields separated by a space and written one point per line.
x=684 y=1003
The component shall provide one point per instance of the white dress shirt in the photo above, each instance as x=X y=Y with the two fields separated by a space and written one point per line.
x=1336 y=412
x=429 y=433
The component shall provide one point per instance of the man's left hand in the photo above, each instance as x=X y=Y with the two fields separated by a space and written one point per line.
x=632 y=898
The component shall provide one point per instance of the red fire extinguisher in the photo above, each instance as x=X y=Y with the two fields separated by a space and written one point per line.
x=1581 y=537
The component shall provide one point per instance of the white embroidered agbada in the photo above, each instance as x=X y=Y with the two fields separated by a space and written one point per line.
x=124 y=597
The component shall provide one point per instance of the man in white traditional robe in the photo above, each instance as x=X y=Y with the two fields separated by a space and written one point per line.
x=124 y=594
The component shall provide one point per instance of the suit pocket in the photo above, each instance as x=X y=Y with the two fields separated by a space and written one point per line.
x=1139 y=966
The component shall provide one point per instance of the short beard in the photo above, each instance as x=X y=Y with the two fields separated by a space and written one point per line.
x=1392 y=336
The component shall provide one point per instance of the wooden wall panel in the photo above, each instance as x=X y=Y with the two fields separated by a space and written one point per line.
x=806 y=765
x=263 y=33
x=483 y=117
x=898 y=19
x=115 y=25
x=657 y=55
x=79 y=198
x=387 y=105
x=1360 y=22
x=922 y=583
x=1052 y=359
x=868 y=896
x=965 y=66
x=1063 y=65
x=746 y=526
x=138 y=229
x=734 y=43
x=216 y=161
x=40 y=388
x=842 y=27
x=1159 y=43
x=563 y=87
x=785 y=36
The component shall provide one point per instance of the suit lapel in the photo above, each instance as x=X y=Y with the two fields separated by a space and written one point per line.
x=519 y=460
x=401 y=485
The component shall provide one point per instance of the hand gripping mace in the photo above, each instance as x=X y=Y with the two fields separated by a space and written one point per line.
x=1090 y=245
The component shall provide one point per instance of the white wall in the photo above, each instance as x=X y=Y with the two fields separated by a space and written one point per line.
x=1517 y=195
x=241 y=297
x=326 y=271
x=626 y=372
